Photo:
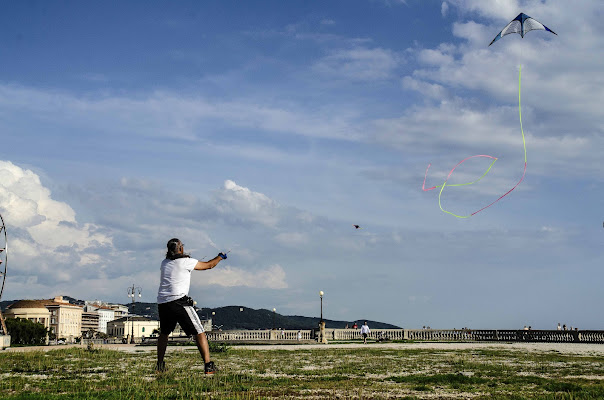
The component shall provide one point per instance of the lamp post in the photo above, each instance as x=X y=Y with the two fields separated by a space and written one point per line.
x=322 y=337
x=321 y=296
x=132 y=293
x=274 y=311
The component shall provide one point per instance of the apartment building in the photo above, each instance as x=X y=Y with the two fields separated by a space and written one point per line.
x=90 y=323
x=105 y=313
x=65 y=319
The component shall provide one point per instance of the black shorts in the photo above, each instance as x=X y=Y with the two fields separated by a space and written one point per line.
x=364 y=335
x=182 y=312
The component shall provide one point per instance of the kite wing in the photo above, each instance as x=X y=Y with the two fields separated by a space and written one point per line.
x=521 y=24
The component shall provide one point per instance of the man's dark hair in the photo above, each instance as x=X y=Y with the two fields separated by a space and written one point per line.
x=175 y=250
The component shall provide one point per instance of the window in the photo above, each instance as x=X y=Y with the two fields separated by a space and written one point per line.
x=143 y=328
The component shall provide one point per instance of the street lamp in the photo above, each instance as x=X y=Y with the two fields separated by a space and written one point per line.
x=132 y=293
x=321 y=296
x=322 y=338
x=274 y=311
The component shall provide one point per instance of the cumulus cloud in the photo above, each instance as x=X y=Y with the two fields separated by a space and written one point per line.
x=45 y=235
x=557 y=97
x=238 y=203
x=272 y=277
x=51 y=249
x=431 y=90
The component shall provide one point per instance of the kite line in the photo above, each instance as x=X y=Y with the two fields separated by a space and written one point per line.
x=521 y=24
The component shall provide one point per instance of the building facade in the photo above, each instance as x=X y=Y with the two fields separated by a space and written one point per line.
x=62 y=319
x=123 y=327
x=33 y=310
x=105 y=313
x=90 y=323
x=119 y=310
x=65 y=319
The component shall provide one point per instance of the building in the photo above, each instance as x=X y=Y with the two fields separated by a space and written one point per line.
x=105 y=313
x=119 y=310
x=65 y=319
x=62 y=319
x=122 y=327
x=90 y=323
x=33 y=310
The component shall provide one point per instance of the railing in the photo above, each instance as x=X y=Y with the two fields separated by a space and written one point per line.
x=443 y=335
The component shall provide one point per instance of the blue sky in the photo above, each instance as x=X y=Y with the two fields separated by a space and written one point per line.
x=271 y=127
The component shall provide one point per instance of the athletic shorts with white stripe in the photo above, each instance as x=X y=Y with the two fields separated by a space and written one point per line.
x=179 y=311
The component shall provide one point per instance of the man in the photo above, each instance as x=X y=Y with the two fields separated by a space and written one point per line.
x=365 y=332
x=174 y=304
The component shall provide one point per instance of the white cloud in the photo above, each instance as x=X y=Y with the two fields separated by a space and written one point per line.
x=272 y=277
x=360 y=64
x=444 y=9
x=45 y=232
x=431 y=90
x=493 y=8
x=240 y=203
x=165 y=114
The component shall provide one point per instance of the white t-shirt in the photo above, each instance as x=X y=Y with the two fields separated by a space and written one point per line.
x=175 y=279
x=365 y=329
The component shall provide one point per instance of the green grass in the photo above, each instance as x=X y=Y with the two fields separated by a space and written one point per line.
x=363 y=373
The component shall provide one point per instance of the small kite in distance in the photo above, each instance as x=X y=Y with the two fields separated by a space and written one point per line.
x=521 y=24
x=357 y=227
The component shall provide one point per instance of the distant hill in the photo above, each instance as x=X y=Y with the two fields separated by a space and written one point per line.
x=230 y=317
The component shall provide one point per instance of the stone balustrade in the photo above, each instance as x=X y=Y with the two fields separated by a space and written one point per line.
x=4 y=342
x=261 y=335
x=445 y=335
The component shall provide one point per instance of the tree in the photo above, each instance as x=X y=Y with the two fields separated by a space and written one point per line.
x=26 y=332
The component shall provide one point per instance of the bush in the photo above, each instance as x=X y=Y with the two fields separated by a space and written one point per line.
x=218 y=347
x=26 y=332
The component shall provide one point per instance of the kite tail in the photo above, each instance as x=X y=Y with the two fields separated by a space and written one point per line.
x=523 y=144
x=424 y=185
x=442 y=187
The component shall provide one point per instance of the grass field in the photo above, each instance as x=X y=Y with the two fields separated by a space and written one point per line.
x=366 y=372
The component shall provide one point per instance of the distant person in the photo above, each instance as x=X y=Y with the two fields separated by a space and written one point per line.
x=564 y=327
x=355 y=326
x=365 y=332
x=174 y=304
x=559 y=327
x=299 y=335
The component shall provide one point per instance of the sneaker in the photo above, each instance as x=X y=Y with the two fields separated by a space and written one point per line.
x=160 y=366
x=210 y=368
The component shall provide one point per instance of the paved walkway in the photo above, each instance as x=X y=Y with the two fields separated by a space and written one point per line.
x=566 y=348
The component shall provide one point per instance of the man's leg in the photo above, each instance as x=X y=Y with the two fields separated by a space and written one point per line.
x=162 y=344
x=202 y=346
